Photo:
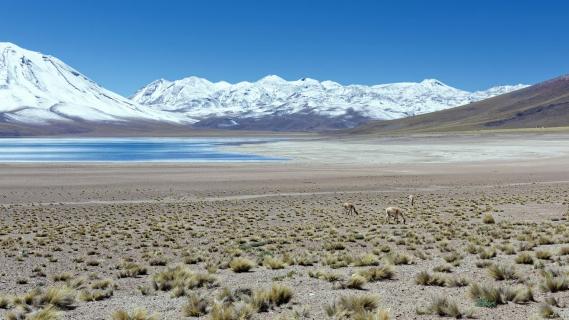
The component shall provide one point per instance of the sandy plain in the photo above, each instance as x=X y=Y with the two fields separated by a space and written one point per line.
x=167 y=237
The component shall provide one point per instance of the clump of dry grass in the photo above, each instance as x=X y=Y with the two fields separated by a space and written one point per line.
x=503 y=272
x=366 y=260
x=443 y=268
x=563 y=251
x=543 y=254
x=65 y=276
x=181 y=278
x=5 y=302
x=241 y=265
x=356 y=307
x=444 y=307
x=426 y=279
x=491 y=296
x=233 y=311
x=137 y=314
x=264 y=299
x=196 y=306
x=547 y=312
x=554 y=282
x=524 y=258
x=487 y=253
x=378 y=273
x=398 y=259
x=488 y=218
x=131 y=270
x=273 y=263
x=49 y=313
x=324 y=275
x=356 y=281
x=95 y=295
x=61 y=297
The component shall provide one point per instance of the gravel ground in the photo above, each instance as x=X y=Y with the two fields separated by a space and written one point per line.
x=88 y=220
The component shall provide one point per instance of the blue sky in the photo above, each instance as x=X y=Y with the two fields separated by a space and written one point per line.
x=124 y=44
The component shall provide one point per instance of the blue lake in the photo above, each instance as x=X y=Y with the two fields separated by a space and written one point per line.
x=127 y=150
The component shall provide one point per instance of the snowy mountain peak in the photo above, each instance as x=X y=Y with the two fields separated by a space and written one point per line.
x=271 y=79
x=5 y=45
x=36 y=88
x=433 y=82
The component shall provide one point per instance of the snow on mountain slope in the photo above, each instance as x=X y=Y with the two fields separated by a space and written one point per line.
x=41 y=89
x=273 y=96
x=37 y=88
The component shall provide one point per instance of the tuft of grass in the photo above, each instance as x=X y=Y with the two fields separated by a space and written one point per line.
x=241 y=265
x=488 y=219
x=179 y=279
x=95 y=295
x=563 y=251
x=65 y=276
x=236 y=311
x=131 y=270
x=502 y=272
x=137 y=314
x=546 y=311
x=265 y=299
x=524 y=258
x=443 y=307
x=487 y=253
x=5 y=302
x=426 y=279
x=491 y=296
x=443 y=268
x=323 y=275
x=196 y=306
x=378 y=273
x=543 y=254
x=49 y=313
x=554 y=283
x=522 y=295
x=61 y=297
x=349 y=306
x=366 y=260
x=398 y=259
x=379 y=314
x=102 y=284
x=273 y=263
x=356 y=281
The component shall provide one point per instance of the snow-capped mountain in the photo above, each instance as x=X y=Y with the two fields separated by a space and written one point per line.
x=254 y=104
x=39 y=89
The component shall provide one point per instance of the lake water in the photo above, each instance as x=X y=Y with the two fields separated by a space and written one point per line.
x=127 y=150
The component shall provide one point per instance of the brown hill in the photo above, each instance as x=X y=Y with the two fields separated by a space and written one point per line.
x=542 y=105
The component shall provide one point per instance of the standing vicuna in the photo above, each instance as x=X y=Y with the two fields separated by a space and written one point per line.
x=349 y=208
x=395 y=213
x=411 y=200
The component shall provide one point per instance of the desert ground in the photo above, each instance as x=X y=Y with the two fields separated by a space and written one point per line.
x=487 y=236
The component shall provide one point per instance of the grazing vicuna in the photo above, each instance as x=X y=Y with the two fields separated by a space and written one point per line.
x=411 y=200
x=395 y=213
x=349 y=208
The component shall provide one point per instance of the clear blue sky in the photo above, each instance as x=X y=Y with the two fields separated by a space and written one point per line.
x=124 y=44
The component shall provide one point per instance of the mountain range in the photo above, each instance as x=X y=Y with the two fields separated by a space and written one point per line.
x=273 y=103
x=41 y=91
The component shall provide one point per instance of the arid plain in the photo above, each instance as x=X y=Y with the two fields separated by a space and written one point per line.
x=487 y=236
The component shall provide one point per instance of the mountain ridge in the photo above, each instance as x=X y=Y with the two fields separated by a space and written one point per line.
x=545 y=104
x=218 y=104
